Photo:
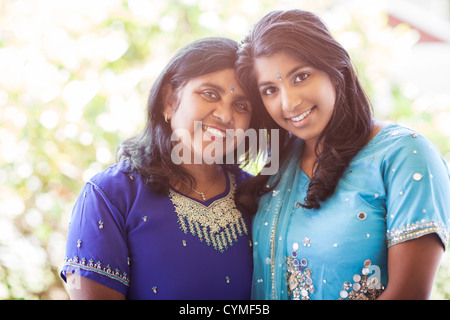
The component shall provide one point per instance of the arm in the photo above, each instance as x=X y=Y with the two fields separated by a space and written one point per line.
x=418 y=192
x=96 y=231
x=412 y=267
x=81 y=288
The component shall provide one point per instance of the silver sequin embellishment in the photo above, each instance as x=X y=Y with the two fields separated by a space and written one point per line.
x=300 y=284
x=364 y=287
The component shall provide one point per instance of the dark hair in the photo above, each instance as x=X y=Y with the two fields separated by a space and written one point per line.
x=149 y=152
x=303 y=35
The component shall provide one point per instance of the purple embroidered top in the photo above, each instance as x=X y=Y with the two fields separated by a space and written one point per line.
x=146 y=246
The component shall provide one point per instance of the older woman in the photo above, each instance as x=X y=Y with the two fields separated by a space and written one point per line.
x=160 y=224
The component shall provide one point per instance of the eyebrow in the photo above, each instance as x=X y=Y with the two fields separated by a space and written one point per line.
x=214 y=86
x=288 y=75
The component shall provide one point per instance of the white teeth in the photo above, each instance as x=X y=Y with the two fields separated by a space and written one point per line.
x=214 y=131
x=302 y=116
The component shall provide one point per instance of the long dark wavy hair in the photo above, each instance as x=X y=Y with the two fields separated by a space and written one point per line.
x=149 y=152
x=303 y=35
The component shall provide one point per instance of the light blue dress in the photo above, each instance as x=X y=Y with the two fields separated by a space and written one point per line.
x=395 y=189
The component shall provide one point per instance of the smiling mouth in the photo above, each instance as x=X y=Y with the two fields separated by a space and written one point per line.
x=217 y=133
x=302 y=116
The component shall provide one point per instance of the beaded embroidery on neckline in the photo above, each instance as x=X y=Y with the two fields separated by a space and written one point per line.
x=218 y=224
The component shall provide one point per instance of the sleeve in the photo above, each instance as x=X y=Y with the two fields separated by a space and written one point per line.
x=96 y=245
x=418 y=191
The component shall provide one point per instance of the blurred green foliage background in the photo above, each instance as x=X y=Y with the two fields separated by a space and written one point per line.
x=74 y=79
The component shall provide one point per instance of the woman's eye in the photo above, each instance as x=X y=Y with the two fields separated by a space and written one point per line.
x=241 y=107
x=270 y=90
x=301 y=77
x=211 y=95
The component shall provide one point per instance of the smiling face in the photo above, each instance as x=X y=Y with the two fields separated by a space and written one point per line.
x=218 y=102
x=298 y=97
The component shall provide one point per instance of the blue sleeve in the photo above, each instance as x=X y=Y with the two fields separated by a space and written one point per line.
x=96 y=243
x=418 y=190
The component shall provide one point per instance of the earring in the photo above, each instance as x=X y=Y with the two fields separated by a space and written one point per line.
x=165 y=118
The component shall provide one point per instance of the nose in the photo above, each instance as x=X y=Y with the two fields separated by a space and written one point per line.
x=223 y=112
x=290 y=99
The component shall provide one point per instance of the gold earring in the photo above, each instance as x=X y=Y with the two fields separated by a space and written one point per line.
x=165 y=118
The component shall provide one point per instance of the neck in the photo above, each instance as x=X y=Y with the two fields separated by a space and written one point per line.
x=203 y=173
x=308 y=158
x=309 y=150
x=208 y=181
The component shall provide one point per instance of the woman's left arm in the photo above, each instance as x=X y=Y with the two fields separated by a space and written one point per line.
x=412 y=267
x=418 y=211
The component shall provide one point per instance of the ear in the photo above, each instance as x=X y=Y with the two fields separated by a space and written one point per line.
x=169 y=101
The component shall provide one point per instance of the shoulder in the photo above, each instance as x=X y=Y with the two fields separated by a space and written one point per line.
x=410 y=143
x=392 y=133
x=118 y=175
x=409 y=152
x=119 y=184
x=399 y=141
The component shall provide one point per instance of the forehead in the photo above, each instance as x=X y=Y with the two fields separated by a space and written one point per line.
x=219 y=77
x=278 y=63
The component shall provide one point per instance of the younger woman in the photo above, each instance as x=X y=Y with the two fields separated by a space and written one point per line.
x=161 y=224
x=359 y=209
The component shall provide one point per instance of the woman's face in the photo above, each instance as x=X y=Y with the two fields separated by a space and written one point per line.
x=297 y=96
x=206 y=107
